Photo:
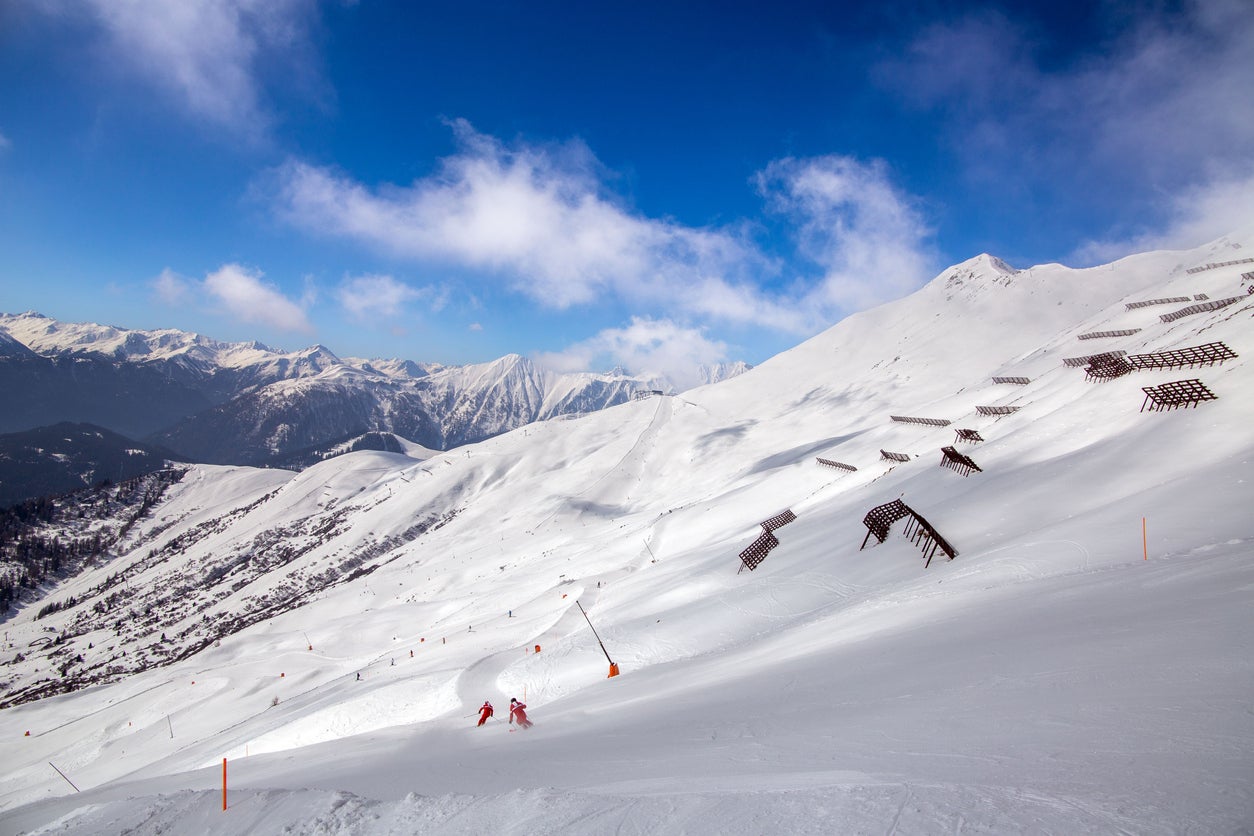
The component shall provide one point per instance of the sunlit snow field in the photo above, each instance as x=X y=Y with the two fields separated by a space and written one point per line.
x=1061 y=675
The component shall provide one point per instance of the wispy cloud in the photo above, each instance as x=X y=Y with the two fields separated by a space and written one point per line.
x=5 y=143
x=539 y=219
x=206 y=54
x=1161 y=109
x=1196 y=215
x=173 y=289
x=648 y=347
x=239 y=291
x=864 y=233
x=372 y=297
x=244 y=294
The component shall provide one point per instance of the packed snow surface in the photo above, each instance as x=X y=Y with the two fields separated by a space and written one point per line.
x=1084 y=665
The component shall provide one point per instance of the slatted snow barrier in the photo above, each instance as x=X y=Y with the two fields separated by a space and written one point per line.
x=1089 y=358
x=894 y=457
x=778 y=521
x=969 y=436
x=1213 y=265
x=835 y=464
x=1107 y=368
x=996 y=410
x=1201 y=307
x=1097 y=335
x=931 y=422
x=1207 y=354
x=645 y=394
x=881 y=518
x=1019 y=381
x=957 y=462
x=758 y=550
x=1180 y=393
x=1166 y=301
x=1200 y=297
x=761 y=547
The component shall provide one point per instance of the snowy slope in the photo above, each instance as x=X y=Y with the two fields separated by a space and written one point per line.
x=1059 y=675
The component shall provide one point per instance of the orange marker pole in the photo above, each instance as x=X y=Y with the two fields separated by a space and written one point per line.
x=1144 y=540
x=224 y=784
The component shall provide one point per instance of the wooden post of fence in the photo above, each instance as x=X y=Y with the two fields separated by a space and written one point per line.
x=1144 y=540
x=224 y=784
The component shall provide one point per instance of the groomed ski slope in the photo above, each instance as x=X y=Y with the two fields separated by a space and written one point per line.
x=1050 y=679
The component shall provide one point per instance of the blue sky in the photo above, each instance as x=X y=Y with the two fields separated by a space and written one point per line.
x=652 y=185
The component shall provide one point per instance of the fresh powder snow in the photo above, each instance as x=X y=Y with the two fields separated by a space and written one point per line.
x=1085 y=664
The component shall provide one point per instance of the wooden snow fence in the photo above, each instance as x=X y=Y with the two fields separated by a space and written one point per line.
x=894 y=457
x=1097 y=335
x=996 y=410
x=958 y=462
x=835 y=464
x=1201 y=307
x=1207 y=354
x=931 y=422
x=1087 y=359
x=1213 y=265
x=758 y=550
x=1179 y=393
x=1107 y=367
x=761 y=547
x=969 y=436
x=879 y=520
x=1170 y=300
x=1019 y=381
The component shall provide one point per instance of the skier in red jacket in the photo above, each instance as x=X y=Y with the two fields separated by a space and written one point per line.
x=485 y=712
x=518 y=714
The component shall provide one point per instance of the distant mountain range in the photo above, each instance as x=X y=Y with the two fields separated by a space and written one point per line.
x=245 y=403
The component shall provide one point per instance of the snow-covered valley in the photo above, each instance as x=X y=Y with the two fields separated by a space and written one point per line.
x=1085 y=664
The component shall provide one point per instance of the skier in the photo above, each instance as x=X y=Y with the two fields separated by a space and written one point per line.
x=485 y=712
x=518 y=714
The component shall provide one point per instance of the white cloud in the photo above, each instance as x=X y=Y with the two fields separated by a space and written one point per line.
x=1159 y=108
x=539 y=219
x=207 y=54
x=1197 y=215
x=171 y=288
x=247 y=297
x=475 y=326
x=376 y=296
x=861 y=230
x=5 y=143
x=648 y=347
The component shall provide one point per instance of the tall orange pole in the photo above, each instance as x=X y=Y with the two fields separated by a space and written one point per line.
x=224 y=784
x=1144 y=540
